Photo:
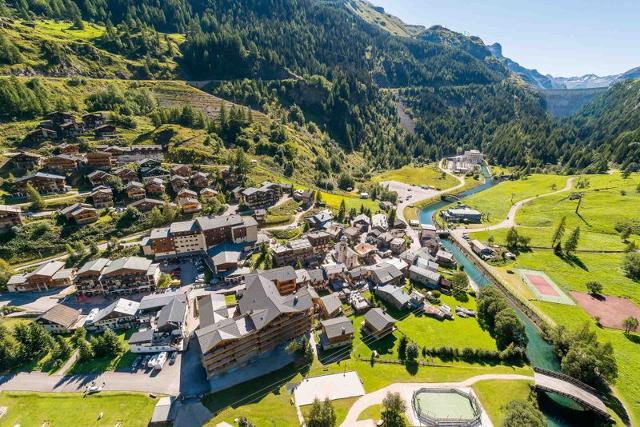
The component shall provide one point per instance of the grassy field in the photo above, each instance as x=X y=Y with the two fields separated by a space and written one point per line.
x=458 y=333
x=74 y=409
x=496 y=201
x=494 y=395
x=423 y=175
x=341 y=406
x=283 y=213
x=102 y=364
x=607 y=200
x=373 y=412
x=333 y=201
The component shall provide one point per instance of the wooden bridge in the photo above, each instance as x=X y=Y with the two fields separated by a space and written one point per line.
x=555 y=382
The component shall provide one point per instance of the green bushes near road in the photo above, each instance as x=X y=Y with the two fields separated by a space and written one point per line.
x=511 y=354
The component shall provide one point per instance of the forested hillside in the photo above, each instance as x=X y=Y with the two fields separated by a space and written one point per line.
x=340 y=65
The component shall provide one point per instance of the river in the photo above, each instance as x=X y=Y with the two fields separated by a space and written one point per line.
x=558 y=411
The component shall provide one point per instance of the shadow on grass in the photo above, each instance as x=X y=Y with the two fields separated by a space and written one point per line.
x=634 y=338
x=251 y=391
x=572 y=260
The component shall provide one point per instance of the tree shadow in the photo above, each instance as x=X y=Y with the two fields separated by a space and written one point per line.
x=411 y=367
x=572 y=260
x=634 y=338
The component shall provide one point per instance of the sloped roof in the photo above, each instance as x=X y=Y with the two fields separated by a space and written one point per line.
x=173 y=312
x=121 y=306
x=331 y=303
x=61 y=315
x=378 y=318
x=128 y=263
x=337 y=327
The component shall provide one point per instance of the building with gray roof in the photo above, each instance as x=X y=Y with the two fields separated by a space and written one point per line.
x=337 y=332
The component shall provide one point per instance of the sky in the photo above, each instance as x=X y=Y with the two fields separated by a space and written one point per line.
x=563 y=38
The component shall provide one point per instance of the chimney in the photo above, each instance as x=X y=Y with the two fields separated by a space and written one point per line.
x=344 y=330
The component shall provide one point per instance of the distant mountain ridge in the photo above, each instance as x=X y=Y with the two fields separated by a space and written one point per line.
x=542 y=81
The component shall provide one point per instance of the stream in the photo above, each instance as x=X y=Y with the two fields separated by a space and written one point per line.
x=558 y=411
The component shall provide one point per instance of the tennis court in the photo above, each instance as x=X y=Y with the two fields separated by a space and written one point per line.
x=544 y=288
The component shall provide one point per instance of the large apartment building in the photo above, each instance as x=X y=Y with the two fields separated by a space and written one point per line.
x=263 y=319
x=123 y=276
x=196 y=236
x=262 y=197
x=48 y=276
x=45 y=183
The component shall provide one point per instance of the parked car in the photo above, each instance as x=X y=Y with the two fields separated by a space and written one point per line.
x=135 y=364
x=173 y=357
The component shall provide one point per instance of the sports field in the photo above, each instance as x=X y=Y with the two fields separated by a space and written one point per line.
x=544 y=288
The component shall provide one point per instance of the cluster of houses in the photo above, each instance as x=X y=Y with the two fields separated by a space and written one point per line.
x=59 y=125
x=145 y=181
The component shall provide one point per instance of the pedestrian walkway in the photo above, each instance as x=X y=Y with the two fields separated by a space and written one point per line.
x=333 y=387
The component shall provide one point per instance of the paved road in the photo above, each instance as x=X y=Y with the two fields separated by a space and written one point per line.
x=406 y=391
x=510 y=221
x=412 y=232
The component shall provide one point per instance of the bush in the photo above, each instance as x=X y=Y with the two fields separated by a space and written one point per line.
x=631 y=265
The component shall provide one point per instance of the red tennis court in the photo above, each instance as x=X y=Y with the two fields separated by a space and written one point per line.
x=542 y=285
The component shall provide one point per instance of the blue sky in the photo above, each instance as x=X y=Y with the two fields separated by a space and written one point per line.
x=562 y=37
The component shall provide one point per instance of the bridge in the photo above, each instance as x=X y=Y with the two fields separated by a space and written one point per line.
x=575 y=390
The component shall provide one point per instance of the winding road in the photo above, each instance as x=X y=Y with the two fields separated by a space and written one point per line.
x=406 y=391
x=510 y=221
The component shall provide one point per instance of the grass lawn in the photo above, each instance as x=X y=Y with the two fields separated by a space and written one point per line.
x=460 y=333
x=341 y=406
x=373 y=412
x=101 y=364
x=74 y=409
x=283 y=213
x=495 y=202
x=264 y=400
x=333 y=201
x=494 y=395
x=12 y=322
x=423 y=175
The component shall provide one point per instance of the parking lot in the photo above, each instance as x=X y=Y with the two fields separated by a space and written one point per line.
x=408 y=192
x=186 y=270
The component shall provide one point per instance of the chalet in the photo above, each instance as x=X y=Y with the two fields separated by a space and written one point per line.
x=62 y=162
x=102 y=197
x=312 y=277
x=378 y=323
x=181 y=170
x=226 y=257
x=299 y=250
x=71 y=129
x=428 y=278
x=379 y=222
x=260 y=215
x=320 y=241
x=330 y=306
x=200 y=179
x=45 y=183
x=352 y=234
x=396 y=297
x=66 y=148
x=105 y=130
x=59 y=118
x=480 y=249
x=263 y=197
x=336 y=333
x=208 y=193
x=164 y=319
x=189 y=205
x=397 y=245
x=445 y=259
x=185 y=193
x=100 y=160
x=87 y=278
x=125 y=174
x=362 y=222
x=146 y=204
x=335 y=273
x=263 y=320
x=129 y=275
x=284 y=279
x=40 y=135
x=49 y=275
x=120 y=314
x=146 y=164
x=26 y=161
x=306 y=197
x=10 y=216
x=81 y=213
x=135 y=190
x=98 y=177
x=320 y=220
x=93 y=120
x=155 y=186
x=156 y=172
x=366 y=252
x=61 y=319
x=386 y=274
